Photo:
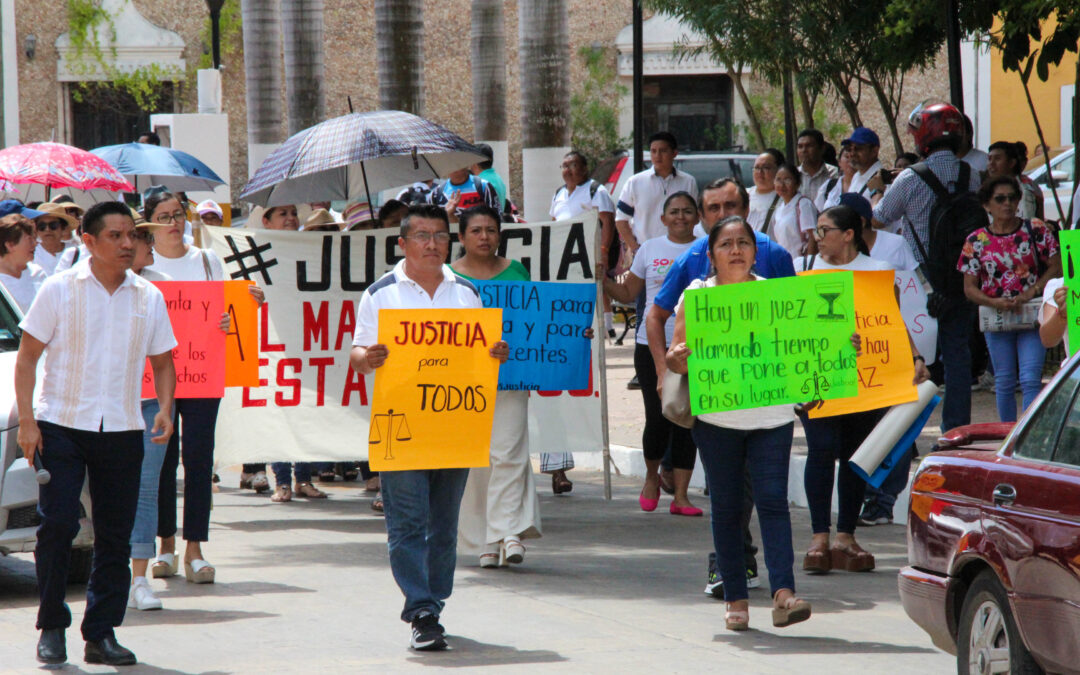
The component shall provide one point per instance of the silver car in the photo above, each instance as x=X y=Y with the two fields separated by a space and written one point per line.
x=1061 y=170
x=19 y=518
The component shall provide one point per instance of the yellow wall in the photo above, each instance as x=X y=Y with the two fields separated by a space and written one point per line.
x=1010 y=117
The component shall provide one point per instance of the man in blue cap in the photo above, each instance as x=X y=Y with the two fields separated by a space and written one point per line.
x=864 y=157
x=10 y=206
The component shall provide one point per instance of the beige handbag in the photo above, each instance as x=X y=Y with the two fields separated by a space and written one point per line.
x=675 y=400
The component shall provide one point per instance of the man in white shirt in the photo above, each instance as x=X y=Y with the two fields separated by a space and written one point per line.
x=421 y=507
x=763 y=198
x=98 y=322
x=865 y=147
x=642 y=199
x=815 y=172
x=978 y=159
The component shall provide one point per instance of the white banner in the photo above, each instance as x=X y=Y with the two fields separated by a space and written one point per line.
x=922 y=326
x=311 y=405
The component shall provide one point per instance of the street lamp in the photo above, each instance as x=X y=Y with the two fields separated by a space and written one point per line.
x=215 y=29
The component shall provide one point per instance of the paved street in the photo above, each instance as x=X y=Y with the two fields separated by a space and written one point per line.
x=306 y=586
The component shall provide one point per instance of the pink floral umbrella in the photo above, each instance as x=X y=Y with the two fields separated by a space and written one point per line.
x=59 y=166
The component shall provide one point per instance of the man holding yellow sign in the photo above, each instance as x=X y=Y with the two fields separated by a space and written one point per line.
x=455 y=345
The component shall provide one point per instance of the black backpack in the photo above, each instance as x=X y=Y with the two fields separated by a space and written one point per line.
x=953 y=216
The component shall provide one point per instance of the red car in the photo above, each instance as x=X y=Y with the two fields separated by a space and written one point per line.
x=994 y=540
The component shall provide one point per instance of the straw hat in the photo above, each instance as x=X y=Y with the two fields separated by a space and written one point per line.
x=320 y=219
x=57 y=211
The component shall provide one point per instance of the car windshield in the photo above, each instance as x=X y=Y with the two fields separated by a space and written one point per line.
x=10 y=333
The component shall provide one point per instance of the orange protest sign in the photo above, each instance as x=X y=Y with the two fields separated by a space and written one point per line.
x=242 y=340
x=434 y=398
x=195 y=309
x=885 y=367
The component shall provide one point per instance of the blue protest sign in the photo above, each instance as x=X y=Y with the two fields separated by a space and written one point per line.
x=544 y=323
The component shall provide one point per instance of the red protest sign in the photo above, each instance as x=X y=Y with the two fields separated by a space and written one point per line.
x=195 y=309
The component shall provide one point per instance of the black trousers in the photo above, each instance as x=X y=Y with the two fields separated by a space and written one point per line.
x=113 y=461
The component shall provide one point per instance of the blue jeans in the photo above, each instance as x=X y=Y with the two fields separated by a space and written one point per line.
x=421 y=509
x=725 y=455
x=112 y=459
x=301 y=471
x=142 y=534
x=954 y=341
x=829 y=439
x=1012 y=353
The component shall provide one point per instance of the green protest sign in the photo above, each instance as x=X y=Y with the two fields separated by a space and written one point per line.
x=1070 y=263
x=769 y=342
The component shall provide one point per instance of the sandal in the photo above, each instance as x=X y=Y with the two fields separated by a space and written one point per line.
x=513 y=551
x=818 y=560
x=792 y=610
x=259 y=482
x=164 y=566
x=198 y=571
x=560 y=483
x=377 y=503
x=852 y=558
x=736 y=619
x=371 y=484
x=308 y=490
x=350 y=472
x=282 y=493
x=327 y=476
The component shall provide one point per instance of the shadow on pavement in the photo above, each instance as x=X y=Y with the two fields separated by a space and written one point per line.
x=761 y=642
x=178 y=588
x=466 y=653
x=190 y=616
x=350 y=526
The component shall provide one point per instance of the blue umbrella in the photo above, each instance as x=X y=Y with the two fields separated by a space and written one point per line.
x=353 y=155
x=144 y=165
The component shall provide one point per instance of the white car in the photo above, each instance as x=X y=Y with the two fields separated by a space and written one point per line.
x=1061 y=170
x=19 y=518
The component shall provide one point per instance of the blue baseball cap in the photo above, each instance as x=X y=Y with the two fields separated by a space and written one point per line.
x=859 y=203
x=862 y=136
x=10 y=206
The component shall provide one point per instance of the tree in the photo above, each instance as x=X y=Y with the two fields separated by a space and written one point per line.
x=594 y=106
x=399 y=37
x=304 y=90
x=544 y=54
x=489 y=76
x=262 y=71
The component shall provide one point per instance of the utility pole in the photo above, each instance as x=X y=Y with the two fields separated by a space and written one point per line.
x=956 y=77
x=639 y=76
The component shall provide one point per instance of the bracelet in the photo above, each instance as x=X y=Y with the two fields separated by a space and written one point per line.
x=919 y=358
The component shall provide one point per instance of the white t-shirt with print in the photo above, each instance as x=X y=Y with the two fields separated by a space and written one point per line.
x=190 y=266
x=652 y=262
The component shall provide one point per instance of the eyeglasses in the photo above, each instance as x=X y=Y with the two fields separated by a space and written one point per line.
x=822 y=231
x=1005 y=199
x=786 y=181
x=425 y=237
x=177 y=217
x=570 y=165
x=42 y=225
x=763 y=169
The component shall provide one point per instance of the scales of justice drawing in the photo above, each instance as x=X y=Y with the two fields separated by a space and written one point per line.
x=402 y=434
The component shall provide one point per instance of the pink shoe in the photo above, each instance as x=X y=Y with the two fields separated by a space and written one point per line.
x=646 y=503
x=685 y=510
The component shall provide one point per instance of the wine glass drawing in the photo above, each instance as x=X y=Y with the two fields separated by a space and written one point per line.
x=830 y=293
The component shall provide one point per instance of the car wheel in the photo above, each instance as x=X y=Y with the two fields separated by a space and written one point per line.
x=79 y=569
x=988 y=641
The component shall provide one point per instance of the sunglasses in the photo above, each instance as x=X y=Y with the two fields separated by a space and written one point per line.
x=42 y=225
x=1005 y=199
x=143 y=234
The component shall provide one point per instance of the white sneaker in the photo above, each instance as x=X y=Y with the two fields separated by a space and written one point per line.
x=141 y=597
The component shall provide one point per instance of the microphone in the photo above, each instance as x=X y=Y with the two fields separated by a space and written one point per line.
x=43 y=476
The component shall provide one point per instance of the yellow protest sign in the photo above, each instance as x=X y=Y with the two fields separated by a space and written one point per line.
x=434 y=399
x=885 y=368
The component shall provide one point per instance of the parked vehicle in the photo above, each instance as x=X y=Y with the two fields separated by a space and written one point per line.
x=18 y=484
x=994 y=539
x=703 y=166
x=1061 y=170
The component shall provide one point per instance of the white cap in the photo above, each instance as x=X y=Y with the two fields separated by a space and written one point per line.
x=209 y=206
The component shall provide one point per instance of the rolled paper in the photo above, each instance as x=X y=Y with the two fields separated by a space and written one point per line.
x=893 y=435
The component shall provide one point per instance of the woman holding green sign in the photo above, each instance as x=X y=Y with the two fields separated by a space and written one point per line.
x=500 y=506
x=651 y=265
x=729 y=442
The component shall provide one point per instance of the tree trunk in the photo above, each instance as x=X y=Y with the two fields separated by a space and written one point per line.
x=544 y=55
x=262 y=72
x=890 y=111
x=488 y=70
x=735 y=71
x=849 y=103
x=399 y=36
x=302 y=21
x=807 y=105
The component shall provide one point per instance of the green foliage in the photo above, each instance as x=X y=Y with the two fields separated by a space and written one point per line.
x=769 y=105
x=594 y=106
x=87 y=23
x=231 y=25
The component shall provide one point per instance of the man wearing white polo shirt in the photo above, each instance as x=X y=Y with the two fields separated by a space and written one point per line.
x=421 y=506
x=642 y=198
x=96 y=323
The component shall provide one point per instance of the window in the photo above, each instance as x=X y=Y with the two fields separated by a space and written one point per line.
x=697 y=109
x=1041 y=434
x=1068 y=444
x=102 y=114
x=1062 y=164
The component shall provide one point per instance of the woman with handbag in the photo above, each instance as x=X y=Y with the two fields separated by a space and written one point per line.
x=796 y=214
x=729 y=442
x=1006 y=266
x=650 y=267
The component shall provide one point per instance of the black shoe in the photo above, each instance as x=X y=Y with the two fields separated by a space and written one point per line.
x=51 y=647
x=633 y=383
x=108 y=651
x=427 y=634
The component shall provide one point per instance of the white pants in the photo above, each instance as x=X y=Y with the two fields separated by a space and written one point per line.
x=500 y=500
